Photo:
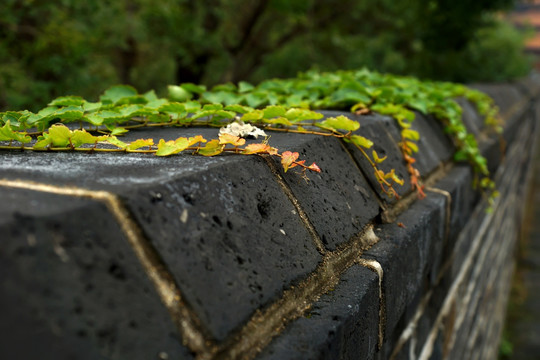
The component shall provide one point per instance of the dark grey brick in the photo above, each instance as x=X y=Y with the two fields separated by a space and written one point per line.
x=230 y=236
x=343 y=324
x=471 y=119
x=338 y=195
x=409 y=255
x=435 y=147
x=71 y=286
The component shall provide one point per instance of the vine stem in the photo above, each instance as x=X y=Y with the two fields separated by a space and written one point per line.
x=309 y=132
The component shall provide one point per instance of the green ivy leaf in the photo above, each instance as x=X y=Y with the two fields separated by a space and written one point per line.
x=139 y=143
x=90 y=106
x=350 y=96
x=212 y=107
x=274 y=111
x=212 y=148
x=193 y=88
x=244 y=87
x=376 y=157
x=59 y=135
x=178 y=93
x=7 y=134
x=296 y=115
x=118 y=131
x=166 y=148
x=93 y=119
x=359 y=141
x=67 y=101
x=340 y=123
x=114 y=141
x=279 y=121
x=240 y=109
x=222 y=97
x=228 y=87
x=192 y=106
x=410 y=134
x=411 y=145
x=81 y=137
x=42 y=118
x=42 y=142
x=150 y=96
x=256 y=99
x=115 y=93
x=69 y=113
x=174 y=109
x=253 y=116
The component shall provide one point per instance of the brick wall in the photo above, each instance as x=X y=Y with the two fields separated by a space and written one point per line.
x=124 y=256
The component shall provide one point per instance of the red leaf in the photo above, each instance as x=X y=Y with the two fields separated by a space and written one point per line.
x=287 y=158
x=314 y=167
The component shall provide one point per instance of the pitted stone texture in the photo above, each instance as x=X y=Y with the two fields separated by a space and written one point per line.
x=71 y=286
x=342 y=324
x=229 y=235
x=530 y=85
x=409 y=254
x=338 y=195
x=434 y=146
x=459 y=184
x=504 y=95
x=384 y=133
x=240 y=235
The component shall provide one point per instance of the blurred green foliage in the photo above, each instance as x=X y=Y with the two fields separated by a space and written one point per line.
x=52 y=48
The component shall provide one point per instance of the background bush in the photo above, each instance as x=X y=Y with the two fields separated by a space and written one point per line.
x=52 y=48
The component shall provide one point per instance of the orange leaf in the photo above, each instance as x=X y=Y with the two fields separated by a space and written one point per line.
x=231 y=139
x=259 y=148
x=196 y=139
x=314 y=167
x=288 y=158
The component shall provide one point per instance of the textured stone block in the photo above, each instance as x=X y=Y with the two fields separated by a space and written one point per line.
x=230 y=237
x=342 y=324
x=384 y=133
x=338 y=195
x=435 y=147
x=71 y=286
x=408 y=254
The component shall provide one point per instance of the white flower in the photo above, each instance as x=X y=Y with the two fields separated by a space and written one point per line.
x=238 y=128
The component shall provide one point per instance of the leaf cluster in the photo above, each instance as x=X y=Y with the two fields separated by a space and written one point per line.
x=275 y=105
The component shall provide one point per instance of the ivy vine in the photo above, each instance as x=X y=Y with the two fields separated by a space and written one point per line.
x=71 y=123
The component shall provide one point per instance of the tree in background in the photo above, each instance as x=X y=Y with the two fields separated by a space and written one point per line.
x=73 y=47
